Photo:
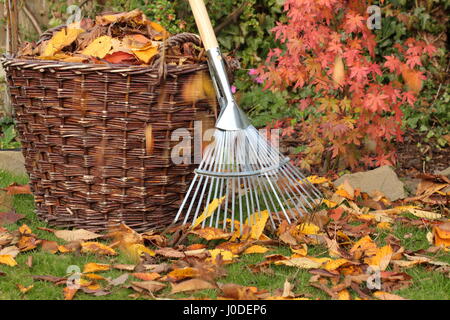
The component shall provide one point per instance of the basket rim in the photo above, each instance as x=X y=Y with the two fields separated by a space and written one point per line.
x=54 y=65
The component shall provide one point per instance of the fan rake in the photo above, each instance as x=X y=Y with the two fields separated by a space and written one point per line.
x=241 y=172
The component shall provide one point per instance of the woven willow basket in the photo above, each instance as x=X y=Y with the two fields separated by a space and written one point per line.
x=82 y=128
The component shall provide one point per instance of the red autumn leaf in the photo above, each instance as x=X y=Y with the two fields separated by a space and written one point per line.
x=120 y=57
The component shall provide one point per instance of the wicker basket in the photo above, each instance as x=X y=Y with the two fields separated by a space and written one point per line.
x=82 y=128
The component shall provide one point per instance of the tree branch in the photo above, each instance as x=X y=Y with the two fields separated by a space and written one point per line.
x=32 y=18
x=231 y=18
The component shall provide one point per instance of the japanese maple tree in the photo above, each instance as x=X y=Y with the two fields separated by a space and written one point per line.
x=355 y=111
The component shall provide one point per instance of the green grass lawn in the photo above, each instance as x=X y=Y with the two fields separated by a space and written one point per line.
x=426 y=285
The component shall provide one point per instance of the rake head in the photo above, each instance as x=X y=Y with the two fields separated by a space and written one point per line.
x=242 y=174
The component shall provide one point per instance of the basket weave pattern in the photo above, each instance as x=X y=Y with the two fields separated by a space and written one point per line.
x=82 y=129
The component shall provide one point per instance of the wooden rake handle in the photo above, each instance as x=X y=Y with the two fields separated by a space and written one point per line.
x=204 y=24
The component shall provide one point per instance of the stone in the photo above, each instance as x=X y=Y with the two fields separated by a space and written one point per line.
x=12 y=162
x=383 y=179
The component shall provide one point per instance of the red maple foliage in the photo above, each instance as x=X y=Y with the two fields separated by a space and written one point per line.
x=355 y=112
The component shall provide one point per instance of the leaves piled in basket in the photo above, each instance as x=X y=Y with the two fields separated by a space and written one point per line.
x=127 y=38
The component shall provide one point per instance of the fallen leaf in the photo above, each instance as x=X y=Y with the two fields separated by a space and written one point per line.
x=182 y=273
x=425 y=214
x=318 y=180
x=69 y=292
x=49 y=246
x=24 y=229
x=170 y=253
x=346 y=190
x=12 y=251
x=10 y=217
x=256 y=249
x=257 y=221
x=119 y=280
x=98 y=48
x=146 y=54
x=209 y=210
x=344 y=295
x=382 y=258
x=146 y=276
x=210 y=233
x=61 y=39
x=387 y=296
x=308 y=228
x=192 y=285
x=441 y=235
x=76 y=235
x=300 y=262
x=24 y=289
x=97 y=248
x=150 y=286
x=8 y=260
x=95 y=267
x=226 y=256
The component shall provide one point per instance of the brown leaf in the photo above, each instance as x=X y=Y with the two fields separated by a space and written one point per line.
x=119 y=280
x=151 y=286
x=10 y=217
x=146 y=276
x=170 y=253
x=52 y=279
x=192 y=285
x=49 y=246
x=76 y=235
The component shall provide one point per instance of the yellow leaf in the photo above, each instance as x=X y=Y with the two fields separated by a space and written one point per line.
x=425 y=214
x=60 y=40
x=93 y=276
x=95 y=267
x=8 y=260
x=300 y=251
x=24 y=289
x=97 y=248
x=308 y=228
x=387 y=296
x=24 y=229
x=69 y=293
x=384 y=226
x=334 y=264
x=301 y=262
x=183 y=273
x=227 y=256
x=344 y=295
x=257 y=221
x=208 y=211
x=146 y=54
x=442 y=235
x=382 y=258
x=346 y=190
x=210 y=233
x=98 y=48
x=256 y=249
x=317 y=180
x=330 y=204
